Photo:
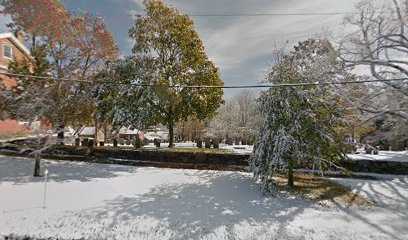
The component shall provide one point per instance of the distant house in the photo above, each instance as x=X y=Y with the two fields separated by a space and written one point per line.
x=12 y=48
x=125 y=133
x=156 y=133
x=128 y=134
x=89 y=132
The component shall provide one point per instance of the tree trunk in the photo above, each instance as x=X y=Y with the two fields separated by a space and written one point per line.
x=290 y=174
x=60 y=134
x=37 y=165
x=96 y=133
x=171 y=132
x=33 y=42
x=105 y=130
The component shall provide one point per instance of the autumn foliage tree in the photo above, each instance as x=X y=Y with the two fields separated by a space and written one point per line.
x=42 y=18
x=75 y=45
x=65 y=45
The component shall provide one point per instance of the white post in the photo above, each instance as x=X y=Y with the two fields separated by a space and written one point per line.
x=45 y=188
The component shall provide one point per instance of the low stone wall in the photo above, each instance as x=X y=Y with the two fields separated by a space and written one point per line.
x=370 y=166
x=153 y=155
x=141 y=157
x=193 y=160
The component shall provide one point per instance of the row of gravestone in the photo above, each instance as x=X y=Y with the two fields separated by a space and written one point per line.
x=208 y=142
x=136 y=142
x=230 y=142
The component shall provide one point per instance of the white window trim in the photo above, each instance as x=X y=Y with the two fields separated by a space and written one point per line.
x=11 y=51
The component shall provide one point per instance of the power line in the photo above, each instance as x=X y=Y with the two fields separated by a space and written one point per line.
x=261 y=14
x=269 y=14
x=43 y=78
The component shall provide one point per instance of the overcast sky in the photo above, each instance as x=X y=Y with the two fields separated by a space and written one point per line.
x=240 y=46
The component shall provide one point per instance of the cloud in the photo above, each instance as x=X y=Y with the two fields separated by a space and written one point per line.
x=240 y=46
x=3 y=22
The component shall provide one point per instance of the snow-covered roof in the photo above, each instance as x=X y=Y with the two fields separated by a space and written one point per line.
x=158 y=134
x=17 y=42
x=87 y=131
x=127 y=131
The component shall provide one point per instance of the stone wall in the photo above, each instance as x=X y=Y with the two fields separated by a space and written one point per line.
x=369 y=166
x=193 y=160
x=138 y=157
x=159 y=156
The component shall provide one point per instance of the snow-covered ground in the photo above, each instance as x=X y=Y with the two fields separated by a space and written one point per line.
x=383 y=156
x=96 y=201
x=239 y=149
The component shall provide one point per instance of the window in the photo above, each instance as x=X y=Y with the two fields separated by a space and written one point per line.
x=7 y=51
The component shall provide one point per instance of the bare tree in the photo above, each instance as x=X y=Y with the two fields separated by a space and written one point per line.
x=247 y=114
x=237 y=118
x=379 y=46
x=42 y=142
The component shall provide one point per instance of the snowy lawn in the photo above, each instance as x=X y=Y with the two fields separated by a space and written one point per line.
x=239 y=149
x=96 y=201
x=382 y=155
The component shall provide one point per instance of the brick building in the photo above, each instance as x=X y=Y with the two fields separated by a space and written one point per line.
x=12 y=48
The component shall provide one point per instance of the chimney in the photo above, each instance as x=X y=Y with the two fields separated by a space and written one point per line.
x=20 y=36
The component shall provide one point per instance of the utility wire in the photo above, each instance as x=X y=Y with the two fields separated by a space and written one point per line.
x=268 y=14
x=43 y=78
x=254 y=14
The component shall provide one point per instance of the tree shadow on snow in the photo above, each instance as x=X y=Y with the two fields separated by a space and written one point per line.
x=20 y=170
x=217 y=200
x=390 y=195
x=197 y=210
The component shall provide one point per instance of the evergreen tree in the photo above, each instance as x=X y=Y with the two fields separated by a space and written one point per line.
x=300 y=125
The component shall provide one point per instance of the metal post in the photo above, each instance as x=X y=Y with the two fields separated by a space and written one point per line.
x=45 y=188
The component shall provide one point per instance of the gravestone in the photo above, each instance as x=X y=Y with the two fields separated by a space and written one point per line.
x=91 y=143
x=145 y=142
x=216 y=143
x=207 y=142
x=85 y=142
x=137 y=142
x=229 y=141
x=60 y=135
x=199 y=144
x=369 y=149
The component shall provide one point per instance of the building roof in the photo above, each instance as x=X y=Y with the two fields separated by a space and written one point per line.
x=18 y=43
x=87 y=131
x=127 y=131
x=158 y=135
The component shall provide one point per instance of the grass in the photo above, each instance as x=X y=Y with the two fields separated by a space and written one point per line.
x=14 y=135
x=203 y=150
x=166 y=149
x=315 y=187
